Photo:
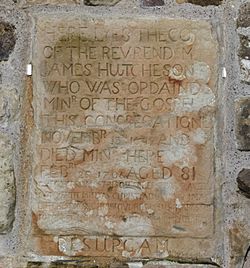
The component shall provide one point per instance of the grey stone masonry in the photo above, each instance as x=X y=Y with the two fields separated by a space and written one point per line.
x=124 y=133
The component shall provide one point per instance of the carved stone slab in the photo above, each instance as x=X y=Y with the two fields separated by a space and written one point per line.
x=124 y=137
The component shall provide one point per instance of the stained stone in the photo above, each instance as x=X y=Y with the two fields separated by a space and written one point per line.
x=243 y=124
x=7 y=185
x=7 y=40
x=244 y=182
x=123 y=145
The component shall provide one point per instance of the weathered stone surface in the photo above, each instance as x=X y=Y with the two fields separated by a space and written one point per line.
x=244 y=182
x=100 y=2
x=152 y=3
x=245 y=70
x=239 y=242
x=243 y=124
x=196 y=249
x=51 y=2
x=244 y=15
x=7 y=40
x=9 y=104
x=6 y=3
x=201 y=2
x=6 y=263
x=7 y=185
x=124 y=115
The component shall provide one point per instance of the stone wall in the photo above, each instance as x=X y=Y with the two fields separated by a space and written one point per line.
x=215 y=212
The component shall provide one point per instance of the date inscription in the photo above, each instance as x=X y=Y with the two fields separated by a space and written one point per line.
x=124 y=133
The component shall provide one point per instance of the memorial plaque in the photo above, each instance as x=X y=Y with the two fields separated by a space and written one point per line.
x=124 y=136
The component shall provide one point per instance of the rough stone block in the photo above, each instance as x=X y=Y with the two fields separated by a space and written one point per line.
x=7 y=40
x=101 y=2
x=244 y=51
x=152 y=3
x=244 y=57
x=7 y=185
x=201 y=2
x=245 y=70
x=244 y=15
x=243 y=124
x=244 y=182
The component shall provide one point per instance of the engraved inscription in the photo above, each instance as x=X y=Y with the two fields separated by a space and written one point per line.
x=124 y=114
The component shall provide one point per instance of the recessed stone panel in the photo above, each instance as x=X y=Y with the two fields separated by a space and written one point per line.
x=124 y=137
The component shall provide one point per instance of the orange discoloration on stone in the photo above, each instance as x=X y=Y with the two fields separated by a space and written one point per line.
x=124 y=135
